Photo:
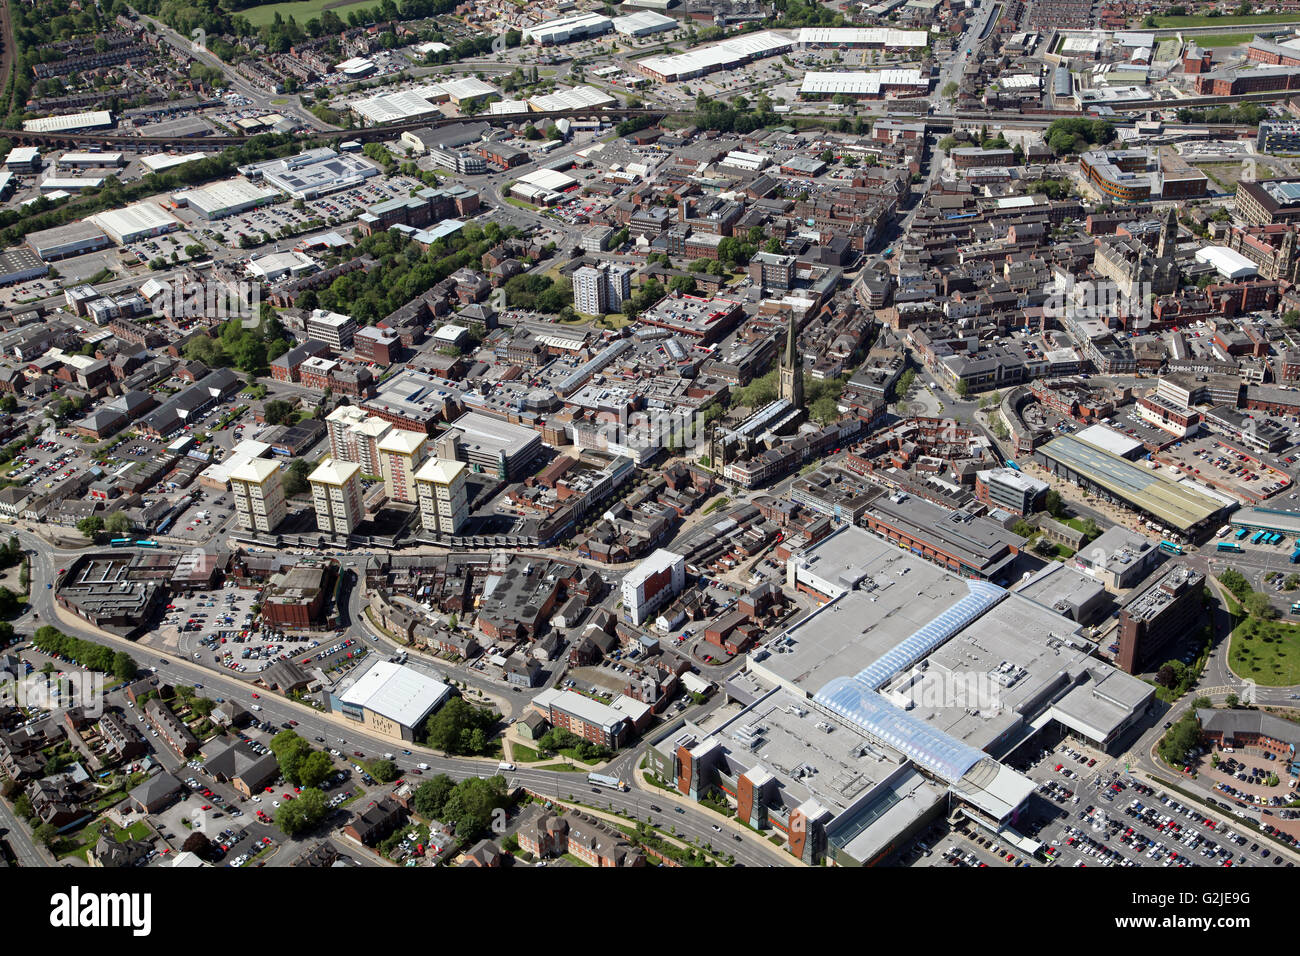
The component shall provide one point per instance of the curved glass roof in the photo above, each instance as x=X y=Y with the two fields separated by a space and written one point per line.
x=911 y=649
x=944 y=756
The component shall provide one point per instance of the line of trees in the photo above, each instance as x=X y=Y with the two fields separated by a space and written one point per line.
x=88 y=654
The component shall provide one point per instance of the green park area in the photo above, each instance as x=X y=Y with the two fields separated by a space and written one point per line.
x=301 y=10
x=1262 y=647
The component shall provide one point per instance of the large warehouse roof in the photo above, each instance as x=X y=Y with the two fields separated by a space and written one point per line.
x=57 y=124
x=160 y=161
x=854 y=36
x=860 y=83
x=719 y=55
x=643 y=22
x=565 y=29
x=402 y=694
x=140 y=219
x=390 y=107
x=465 y=88
x=1175 y=503
x=237 y=193
x=1227 y=262
x=579 y=97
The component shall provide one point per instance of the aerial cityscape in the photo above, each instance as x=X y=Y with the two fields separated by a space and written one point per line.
x=744 y=433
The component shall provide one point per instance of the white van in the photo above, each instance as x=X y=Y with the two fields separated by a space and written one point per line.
x=505 y=766
x=422 y=766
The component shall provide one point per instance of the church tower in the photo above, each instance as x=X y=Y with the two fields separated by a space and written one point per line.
x=1285 y=259
x=791 y=372
x=1168 y=235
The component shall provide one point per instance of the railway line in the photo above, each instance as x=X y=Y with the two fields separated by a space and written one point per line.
x=940 y=122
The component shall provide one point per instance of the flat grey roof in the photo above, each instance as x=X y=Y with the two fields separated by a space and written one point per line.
x=1177 y=504
x=846 y=635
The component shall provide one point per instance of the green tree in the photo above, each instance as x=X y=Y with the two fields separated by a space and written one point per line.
x=295 y=477
x=470 y=805
x=1258 y=605
x=314 y=768
x=91 y=525
x=383 y=770
x=117 y=523
x=451 y=729
x=278 y=412
x=46 y=834
x=1053 y=503
x=431 y=796
x=290 y=750
x=303 y=813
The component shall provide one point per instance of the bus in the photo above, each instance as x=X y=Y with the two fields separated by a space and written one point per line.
x=1221 y=532
x=1295 y=608
x=1295 y=555
x=1228 y=547
x=604 y=780
x=1255 y=538
x=120 y=543
x=1169 y=547
x=1242 y=533
x=146 y=544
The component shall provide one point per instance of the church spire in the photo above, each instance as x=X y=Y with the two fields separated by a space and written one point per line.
x=791 y=371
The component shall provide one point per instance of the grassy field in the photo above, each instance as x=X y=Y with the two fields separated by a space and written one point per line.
x=1250 y=21
x=301 y=10
x=1227 y=175
x=1225 y=39
x=1268 y=652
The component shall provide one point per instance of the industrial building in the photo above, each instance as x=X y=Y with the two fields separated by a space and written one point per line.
x=63 y=242
x=718 y=56
x=872 y=84
x=392 y=700
x=567 y=29
x=643 y=23
x=141 y=220
x=313 y=173
x=884 y=37
x=575 y=98
x=393 y=107
x=19 y=265
x=23 y=159
x=98 y=119
x=229 y=198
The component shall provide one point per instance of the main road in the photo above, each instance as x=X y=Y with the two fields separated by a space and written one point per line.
x=334 y=731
